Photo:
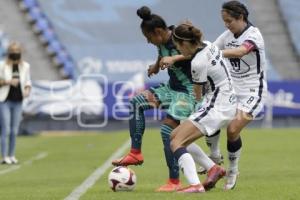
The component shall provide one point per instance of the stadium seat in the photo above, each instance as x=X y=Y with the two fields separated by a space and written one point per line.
x=68 y=70
x=34 y=14
x=54 y=47
x=291 y=15
x=41 y=25
x=47 y=36
x=61 y=58
x=25 y=5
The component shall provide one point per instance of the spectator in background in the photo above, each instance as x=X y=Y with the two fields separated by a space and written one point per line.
x=15 y=85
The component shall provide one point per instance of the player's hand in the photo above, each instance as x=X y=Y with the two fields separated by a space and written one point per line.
x=166 y=62
x=153 y=69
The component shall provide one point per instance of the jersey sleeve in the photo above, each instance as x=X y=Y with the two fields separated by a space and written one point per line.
x=253 y=40
x=199 y=73
x=220 y=41
x=249 y=45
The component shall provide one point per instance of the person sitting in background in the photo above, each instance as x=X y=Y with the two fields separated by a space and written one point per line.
x=15 y=85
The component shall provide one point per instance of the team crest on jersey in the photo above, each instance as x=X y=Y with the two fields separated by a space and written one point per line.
x=236 y=66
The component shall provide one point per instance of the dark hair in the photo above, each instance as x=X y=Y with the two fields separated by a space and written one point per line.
x=187 y=32
x=235 y=9
x=150 y=21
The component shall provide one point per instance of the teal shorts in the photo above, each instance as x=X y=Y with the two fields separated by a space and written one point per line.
x=179 y=105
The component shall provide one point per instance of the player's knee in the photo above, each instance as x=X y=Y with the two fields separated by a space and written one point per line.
x=173 y=134
x=175 y=143
x=233 y=132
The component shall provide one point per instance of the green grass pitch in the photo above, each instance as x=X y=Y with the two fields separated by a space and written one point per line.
x=269 y=167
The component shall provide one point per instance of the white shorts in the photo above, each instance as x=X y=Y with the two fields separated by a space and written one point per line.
x=250 y=104
x=217 y=112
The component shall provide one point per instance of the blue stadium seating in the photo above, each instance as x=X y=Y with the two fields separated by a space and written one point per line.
x=54 y=47
x=290 y=12
x=101 y=30
x=68 y=69
x=35 y=13
x=61 y=57
x=27 y=4
x=48 y=36
x=43 y=27
x=42 y=24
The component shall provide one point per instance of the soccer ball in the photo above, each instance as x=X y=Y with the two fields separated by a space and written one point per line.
x=122 y=179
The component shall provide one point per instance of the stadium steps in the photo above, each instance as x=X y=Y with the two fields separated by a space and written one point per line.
x=15 y=25
x=278 y=42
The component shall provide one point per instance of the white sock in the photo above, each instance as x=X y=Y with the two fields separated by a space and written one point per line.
x=234 y=161
x=200 y=156
x=213 y=144
x=187 y=164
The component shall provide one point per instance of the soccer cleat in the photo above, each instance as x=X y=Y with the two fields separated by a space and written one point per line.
x=169 y=187
x=129 y=159
x=213 y=176
x=192 y=189
x=230 y=182
x=218 y=160
x=13 y=160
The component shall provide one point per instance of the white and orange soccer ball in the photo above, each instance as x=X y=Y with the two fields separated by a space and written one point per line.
x=122 y=179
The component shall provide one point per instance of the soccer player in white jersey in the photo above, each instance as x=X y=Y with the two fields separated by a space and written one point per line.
x=218 y=109
x=243 y=46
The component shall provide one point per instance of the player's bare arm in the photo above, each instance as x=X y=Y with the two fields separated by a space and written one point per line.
x=235 y=53
x=154 y=68
x=168 y=61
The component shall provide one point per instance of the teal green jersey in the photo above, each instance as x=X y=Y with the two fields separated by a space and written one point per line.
x=180 y=73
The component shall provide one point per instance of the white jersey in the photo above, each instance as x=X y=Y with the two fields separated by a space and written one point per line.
x=209 y=66
x=219 y=106
x=248 y=72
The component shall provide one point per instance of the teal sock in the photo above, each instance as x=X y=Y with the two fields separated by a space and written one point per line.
x=170 y=159
x=137 y=120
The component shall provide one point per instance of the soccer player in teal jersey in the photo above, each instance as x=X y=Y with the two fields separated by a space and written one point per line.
x=176 y=97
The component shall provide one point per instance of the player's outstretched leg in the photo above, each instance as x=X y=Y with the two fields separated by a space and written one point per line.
x=214 y=147
x=234 y=151
x=188 y=166
x=136 y=128
x=234 y=147
x=173 y=182
x=215 y=172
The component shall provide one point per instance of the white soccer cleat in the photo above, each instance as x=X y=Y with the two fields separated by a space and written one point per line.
x=230 y=178
x=13 y=160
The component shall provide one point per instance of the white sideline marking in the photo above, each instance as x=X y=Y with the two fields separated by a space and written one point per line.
x=28 y=162
x=91 y=180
